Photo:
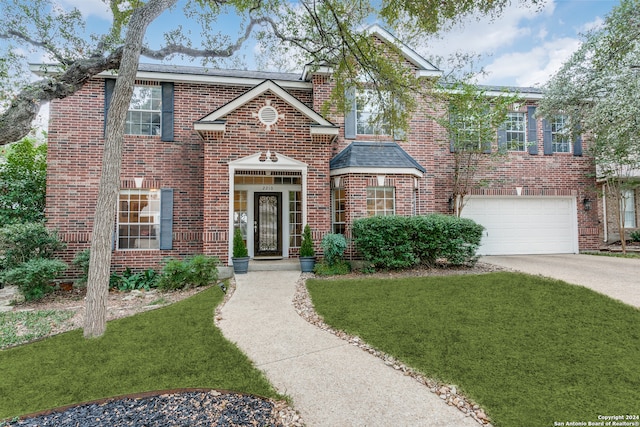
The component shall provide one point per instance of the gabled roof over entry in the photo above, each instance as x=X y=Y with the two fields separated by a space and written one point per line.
x=375 y=157
x=214 y=121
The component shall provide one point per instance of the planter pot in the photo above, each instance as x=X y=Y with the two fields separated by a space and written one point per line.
x=240 y=265
x=307 y=263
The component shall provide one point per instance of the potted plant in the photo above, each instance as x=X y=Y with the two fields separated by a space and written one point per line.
x=307 y=253
x=240 y=256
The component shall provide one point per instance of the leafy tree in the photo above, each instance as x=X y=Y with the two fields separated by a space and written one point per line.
x=472 y=123
x=325 y=32
x=598 y=88
x=23 y=179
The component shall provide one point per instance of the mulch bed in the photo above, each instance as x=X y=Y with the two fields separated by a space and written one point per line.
x=186 y=407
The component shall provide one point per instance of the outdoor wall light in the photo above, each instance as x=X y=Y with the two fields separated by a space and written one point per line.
x=450 y=203
x=586 y=204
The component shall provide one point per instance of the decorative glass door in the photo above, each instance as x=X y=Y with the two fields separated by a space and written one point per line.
x=267 y=224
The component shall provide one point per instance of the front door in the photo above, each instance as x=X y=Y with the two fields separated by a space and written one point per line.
x=267 y=224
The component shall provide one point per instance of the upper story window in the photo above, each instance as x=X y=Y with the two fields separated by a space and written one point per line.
x=143 y=117
x=515 y=131
x=560 y=141
x=139 y=219
x=369 y=117
x=467 y=133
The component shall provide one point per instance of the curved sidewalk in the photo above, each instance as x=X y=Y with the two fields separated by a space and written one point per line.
x=331 y=382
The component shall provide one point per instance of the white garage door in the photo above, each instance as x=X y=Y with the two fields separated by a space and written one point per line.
x=525 y=225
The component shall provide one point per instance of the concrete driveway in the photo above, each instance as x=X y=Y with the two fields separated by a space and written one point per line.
x=618 y=278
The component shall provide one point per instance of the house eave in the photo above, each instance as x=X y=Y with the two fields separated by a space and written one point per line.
x=376 y=171
x=325 y=130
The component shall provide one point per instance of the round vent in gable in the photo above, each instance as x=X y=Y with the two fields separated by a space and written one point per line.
x=268 y=115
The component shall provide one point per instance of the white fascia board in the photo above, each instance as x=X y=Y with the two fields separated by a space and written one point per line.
x=526 y=95
x=37 y=69
x=309 y=71
x=325 y=130
x=377 y=171
x=267 y=85
x=209 y=126
x=221 y=80
x=429 y=73
x=407 y=52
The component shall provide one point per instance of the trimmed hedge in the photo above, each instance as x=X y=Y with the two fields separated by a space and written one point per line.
x=396 y=242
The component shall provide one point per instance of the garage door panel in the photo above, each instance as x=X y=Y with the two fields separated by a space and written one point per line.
x=525 y=225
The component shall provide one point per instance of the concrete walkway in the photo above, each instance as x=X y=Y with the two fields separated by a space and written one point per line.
x=618 y=278
x=331 y=382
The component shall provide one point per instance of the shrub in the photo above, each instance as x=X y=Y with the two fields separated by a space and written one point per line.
x=81 y=261
x=394 y=242
x=34 y=276
x=239 y=248
x=23 y=181
x=21 y=242
x=635 y=236
x=129 y=280
x=384 y=241
x=339 y=267
x=333 y=247
x=199 y=270
x=447 y=237
x=306 y=247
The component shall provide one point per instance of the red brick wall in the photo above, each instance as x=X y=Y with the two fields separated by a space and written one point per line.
x=197 y=169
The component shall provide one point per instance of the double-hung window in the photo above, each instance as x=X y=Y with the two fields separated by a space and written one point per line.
x=145 y=111
x=467 y=133
x=628 y=202
x=381 y=201
x=515 y=132
x=560 y=141
x=139 y=219
x=369 y=117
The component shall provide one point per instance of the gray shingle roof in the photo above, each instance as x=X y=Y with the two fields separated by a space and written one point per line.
x=374 y=155
x=202 y=71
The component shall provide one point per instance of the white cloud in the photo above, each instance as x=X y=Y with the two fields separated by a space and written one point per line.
x=533 y=67
x=97 y=8
x=484 y=36
x=593 y=25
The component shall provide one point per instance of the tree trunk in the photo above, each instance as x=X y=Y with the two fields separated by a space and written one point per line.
x=106 y=207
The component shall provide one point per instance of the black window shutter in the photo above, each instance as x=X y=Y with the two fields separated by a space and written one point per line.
x=167 y=111
x=546 y=137
x=532 y=130
x=577 y=144
x=109 y=86
x=486 y=147
x=166 y=218
x=502 y=139
x=350 y=115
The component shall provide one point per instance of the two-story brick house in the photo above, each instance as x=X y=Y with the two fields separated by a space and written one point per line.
x=207 y=151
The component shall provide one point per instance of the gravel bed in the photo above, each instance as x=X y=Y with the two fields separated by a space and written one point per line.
x=190 y=408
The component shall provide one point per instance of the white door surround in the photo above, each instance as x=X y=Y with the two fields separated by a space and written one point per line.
x=266 y=164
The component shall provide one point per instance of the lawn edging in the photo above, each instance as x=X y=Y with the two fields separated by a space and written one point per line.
x=447 y=392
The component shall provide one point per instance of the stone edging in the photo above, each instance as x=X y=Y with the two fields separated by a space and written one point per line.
x=449 y=393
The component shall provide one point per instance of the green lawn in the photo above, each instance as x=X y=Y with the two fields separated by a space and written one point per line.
x=172 y=347
x=531 y=351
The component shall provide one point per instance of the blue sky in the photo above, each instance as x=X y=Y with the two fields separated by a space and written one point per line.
x=522 y=47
